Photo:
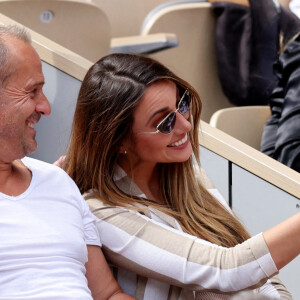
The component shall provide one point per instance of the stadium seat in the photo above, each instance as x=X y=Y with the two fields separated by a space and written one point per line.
x=244 y=123
x=81 y=27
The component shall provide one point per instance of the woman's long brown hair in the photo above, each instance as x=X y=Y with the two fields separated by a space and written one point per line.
x=109 y=95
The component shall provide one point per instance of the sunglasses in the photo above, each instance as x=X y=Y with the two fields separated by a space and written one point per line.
x=167 y=124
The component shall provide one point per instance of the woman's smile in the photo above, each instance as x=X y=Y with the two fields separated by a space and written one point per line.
x=181 y=142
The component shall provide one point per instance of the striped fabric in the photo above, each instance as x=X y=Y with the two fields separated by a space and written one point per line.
x=153 y=258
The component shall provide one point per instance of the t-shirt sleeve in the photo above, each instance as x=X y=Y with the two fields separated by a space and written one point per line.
x=91 y=234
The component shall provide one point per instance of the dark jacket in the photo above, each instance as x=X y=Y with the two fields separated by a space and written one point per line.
x=281 y=135
x=247 y=45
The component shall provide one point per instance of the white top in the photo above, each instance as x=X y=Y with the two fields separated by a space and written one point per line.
x=43 y=235
x=154 y=259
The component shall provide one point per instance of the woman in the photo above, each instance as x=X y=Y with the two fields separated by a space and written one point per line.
x=135 y=155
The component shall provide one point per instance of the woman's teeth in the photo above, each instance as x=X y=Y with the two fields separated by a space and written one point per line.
x=180 y=142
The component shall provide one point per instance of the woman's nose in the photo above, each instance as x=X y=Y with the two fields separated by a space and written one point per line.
x=182 y=123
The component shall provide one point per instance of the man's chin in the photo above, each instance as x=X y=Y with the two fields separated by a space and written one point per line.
x=30 y=148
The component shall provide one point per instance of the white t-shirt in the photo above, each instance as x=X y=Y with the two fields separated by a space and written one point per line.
x=43 y=237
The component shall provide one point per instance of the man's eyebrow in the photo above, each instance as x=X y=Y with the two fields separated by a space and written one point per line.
x=157 y=112
x=33 y=85
x=42 y=82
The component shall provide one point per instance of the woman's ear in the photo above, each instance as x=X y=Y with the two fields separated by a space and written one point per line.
x=122 y=150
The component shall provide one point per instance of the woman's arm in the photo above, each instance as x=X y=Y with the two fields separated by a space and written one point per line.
x=283 y=241
x=100 y=279
x=152 y=249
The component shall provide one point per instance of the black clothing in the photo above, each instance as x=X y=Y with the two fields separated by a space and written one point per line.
x=247 y=45
x=281 y=136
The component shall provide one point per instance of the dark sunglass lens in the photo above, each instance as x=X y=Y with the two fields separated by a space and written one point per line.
x=185 y=103
x=168 y=124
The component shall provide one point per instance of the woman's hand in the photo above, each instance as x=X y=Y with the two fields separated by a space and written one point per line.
x=60 y=161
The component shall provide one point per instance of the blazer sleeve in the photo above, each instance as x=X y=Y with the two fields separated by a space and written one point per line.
x=139 y=244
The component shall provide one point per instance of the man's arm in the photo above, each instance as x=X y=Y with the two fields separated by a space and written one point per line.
x=100 y=279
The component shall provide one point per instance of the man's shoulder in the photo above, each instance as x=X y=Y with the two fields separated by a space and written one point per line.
x=55 y=177
x=40 y=164
x=44 y=168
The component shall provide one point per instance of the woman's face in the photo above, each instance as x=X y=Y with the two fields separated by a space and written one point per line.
x=160 y=99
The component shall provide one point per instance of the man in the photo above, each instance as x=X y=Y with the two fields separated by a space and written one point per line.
x=248 y=35
x=47 y=233
x=281 y=134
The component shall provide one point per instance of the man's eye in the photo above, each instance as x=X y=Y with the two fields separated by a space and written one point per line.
x=33 y=92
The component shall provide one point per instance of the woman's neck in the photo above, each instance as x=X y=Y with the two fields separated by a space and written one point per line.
x=146 y=177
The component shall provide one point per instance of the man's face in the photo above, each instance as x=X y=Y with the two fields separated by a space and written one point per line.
x=21 y=102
